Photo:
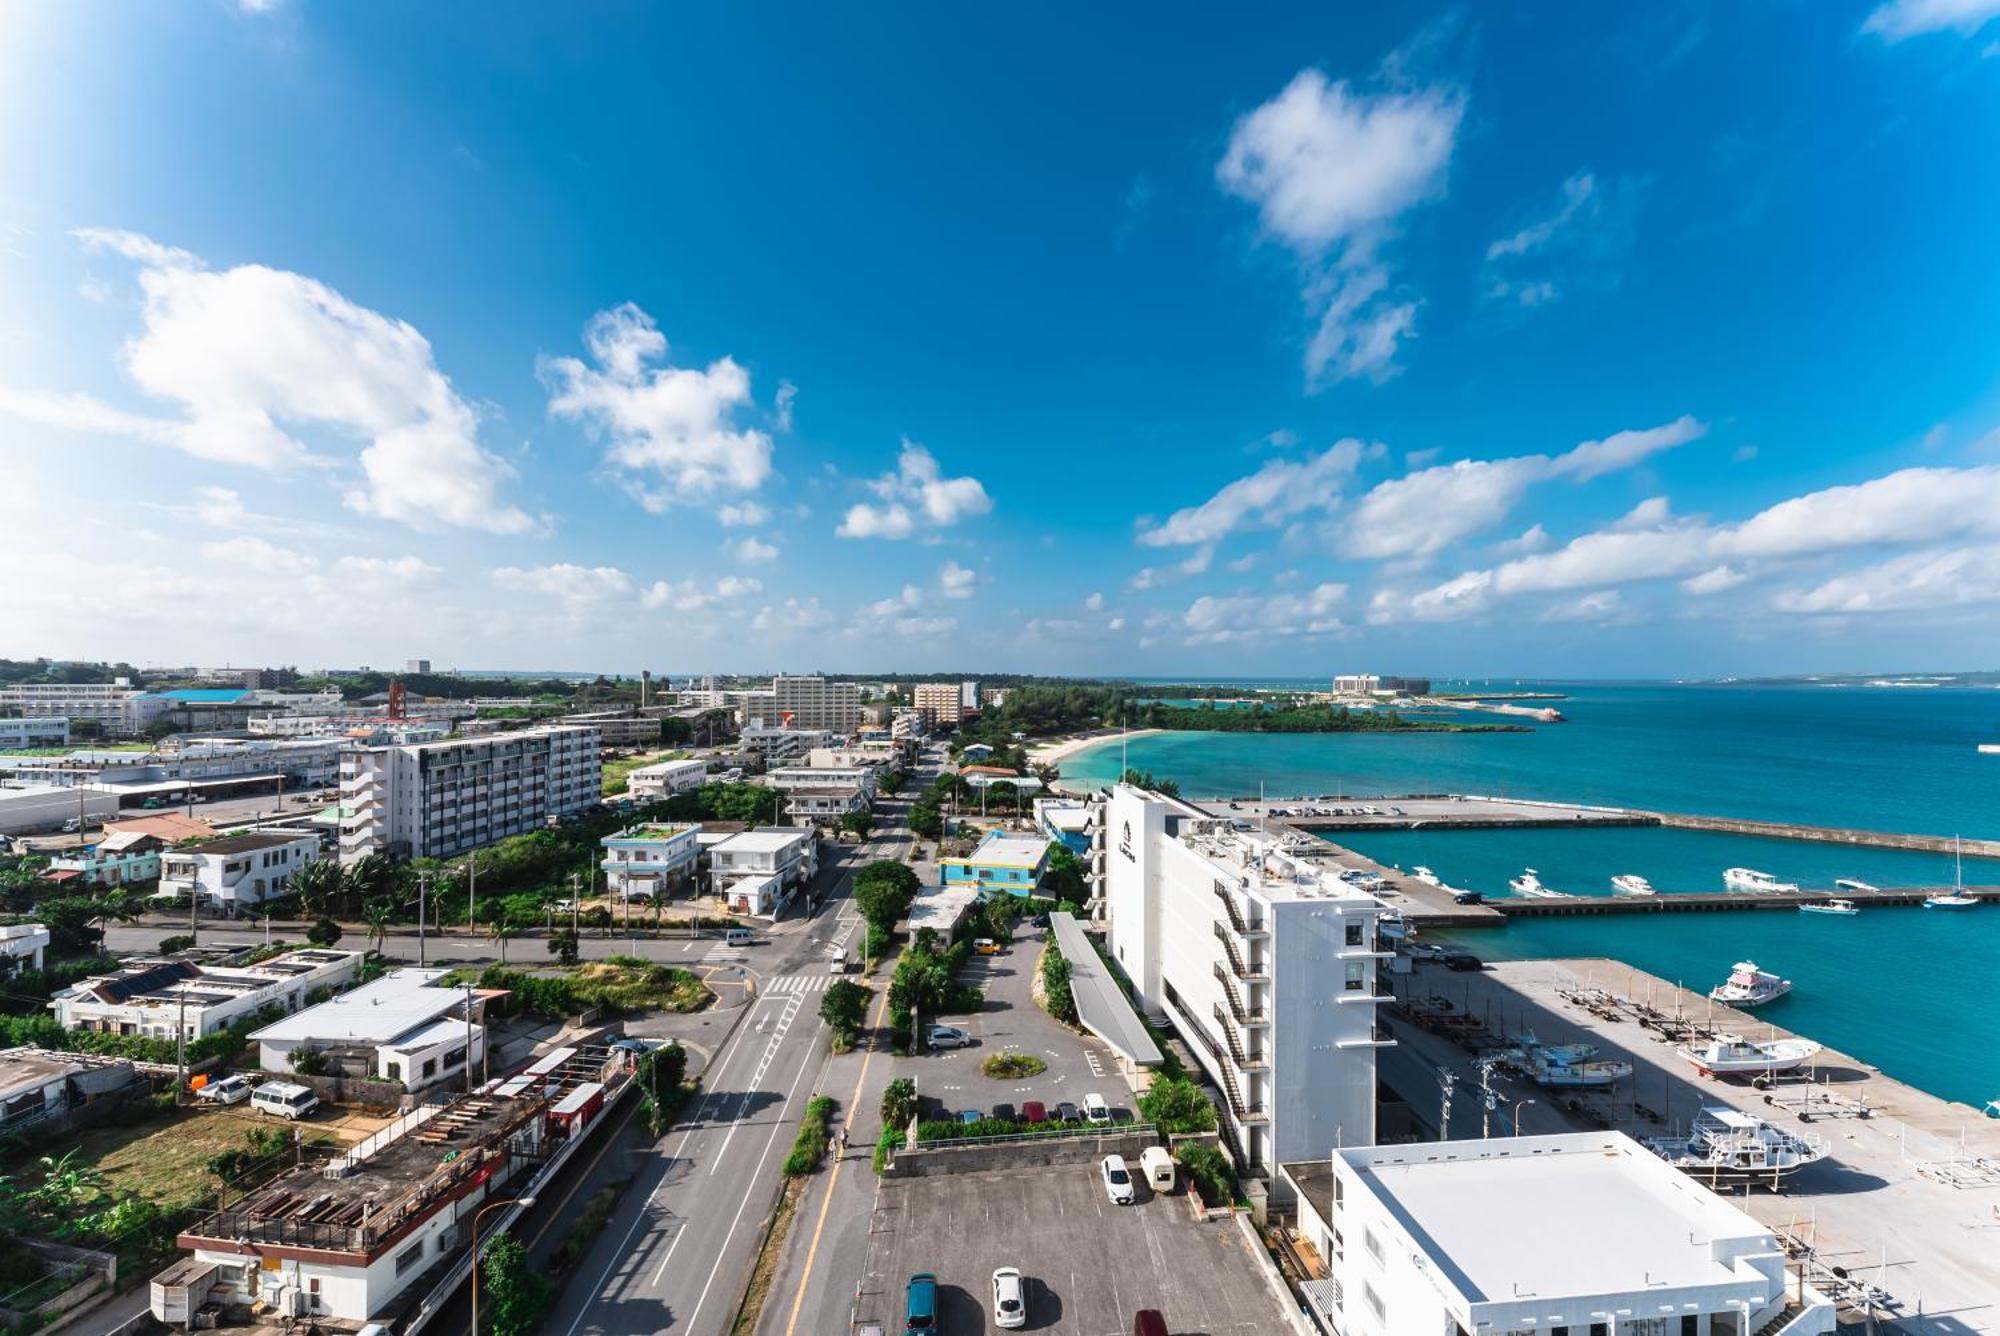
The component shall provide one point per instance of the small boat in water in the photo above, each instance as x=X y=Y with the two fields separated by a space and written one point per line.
x=1627 y=884
x=1748 y=986
x=1530 y=885
x=1424 y=875
x=1957 y=899
x=1750 y=879
x=1733 y=1055
x=1725 y=1147
x=1829 y=907
x=1851 y=884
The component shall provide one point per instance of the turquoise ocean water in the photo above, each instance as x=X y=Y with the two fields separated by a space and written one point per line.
x=1913 y=991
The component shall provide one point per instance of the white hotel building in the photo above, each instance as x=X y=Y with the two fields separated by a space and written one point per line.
x=437 y=799
x=1581 y=1233
x=1263 y=961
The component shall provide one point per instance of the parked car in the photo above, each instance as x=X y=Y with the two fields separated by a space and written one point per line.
x=284 y=1099
x=1034 y=1112
x=1462 y=961
x=1158 y=1167
x=1468 y=898
x=985 y=946
x=1117 y=1179
x=970 y=1116
x=1010 y=1298
x=1148 y=1322
x=229 y=1090
x=1067 y=1112
x=1005 y=1113
x=920 y=1312
x=1095 y=1110
x=947 y=1036
x=565 y=906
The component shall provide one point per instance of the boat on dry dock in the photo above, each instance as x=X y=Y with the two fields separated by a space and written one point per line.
x=1725 y=1147
x=1733 y=1055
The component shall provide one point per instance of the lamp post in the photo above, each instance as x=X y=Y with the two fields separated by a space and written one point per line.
x=504 y=1201
x=1518 y=1106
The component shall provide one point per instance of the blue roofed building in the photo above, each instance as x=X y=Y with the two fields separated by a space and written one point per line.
x=1002 y=862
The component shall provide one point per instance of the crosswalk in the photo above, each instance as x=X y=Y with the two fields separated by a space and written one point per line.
x=798 y=983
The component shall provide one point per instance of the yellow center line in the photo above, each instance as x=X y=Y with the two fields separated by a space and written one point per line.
x=833 y=1179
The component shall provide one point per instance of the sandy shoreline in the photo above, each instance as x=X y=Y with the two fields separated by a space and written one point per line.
x=1053 y=753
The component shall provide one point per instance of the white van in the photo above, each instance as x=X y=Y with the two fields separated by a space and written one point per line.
x=1158 y=1167
x=736 y=937
x=838 y=965
x=284 y=1099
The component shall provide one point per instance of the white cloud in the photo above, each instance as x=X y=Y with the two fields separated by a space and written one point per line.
x=1238 y=617
x=743 y=514
x=1915 y=581
x=1095 y=603
x=249 y=352
x=1899 y=19
x=575 y=586
x=1115 y=624
x=266 y=559
x=1575 y=245
x=406 y=570
x=1154 y=577
x=1422 y=513
x=219 y=507
x=956 y=581
x=670 y=433
x=1592 y=607
x=751 y=550
x=916 y=494
x=1276 y=492
x=689 y=596
x=1534 y=539
x=792 y=615
x=1714 y=580
x=1330 y=169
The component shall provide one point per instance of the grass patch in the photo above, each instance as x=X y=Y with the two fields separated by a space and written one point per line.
x=621 y=983
x=809 y=1146
x=616 y=773
x=596 y=1214
x=164 y=1161
x=1013 y=1063
x=765 y=1271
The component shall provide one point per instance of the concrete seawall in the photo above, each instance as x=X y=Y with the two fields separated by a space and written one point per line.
x=1876 y=839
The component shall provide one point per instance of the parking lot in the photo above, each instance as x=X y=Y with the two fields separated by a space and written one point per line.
x=1089 y=1265
x=1012 y=1019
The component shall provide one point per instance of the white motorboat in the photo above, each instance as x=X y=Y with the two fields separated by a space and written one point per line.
x=1725 y=1147
x=1733 y=1055
x=1748 y=986
x=1628 y=884
x=1852 y=884
x=1424 y=874
x=1750 y=879
x=1828 y=907
x=1530 y=885
x=1957 y=899
x=1565 y=1066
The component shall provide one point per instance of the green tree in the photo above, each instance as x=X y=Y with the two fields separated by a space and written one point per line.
x=1177 y=1105
x=323 y=933
x=371 y=877
x=1056 y=994
x=378 y=915
x=661 y=1073
x=318 y=885
x=498 y=931
x=517 y=1295
x=883 y=891
x=1144 y=779
x=925 y=819
x=844 y=1008
x=564 y=947
x=899 y=1103
x=858 y=822
x=308 y=1061
x=1064 y=879
x=72 y=923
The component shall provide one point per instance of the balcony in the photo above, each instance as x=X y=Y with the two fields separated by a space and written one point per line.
x=1243 y=1057
x=1374 y=947
x=1378 y=1036
x=1377 y=989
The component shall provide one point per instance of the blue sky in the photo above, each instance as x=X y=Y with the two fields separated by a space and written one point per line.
x=1576 y=340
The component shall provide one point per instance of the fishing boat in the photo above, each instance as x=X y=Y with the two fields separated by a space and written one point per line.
x=1627 y=884
x=1750 y=879
x=1530 y=885
x=1565 y=1066
x=1852 y=884
x=1726 y=1147
x=1733 y=1055
x=1828 y=907
x=1748 y=986
x=1424 y=874
x=1957 y=899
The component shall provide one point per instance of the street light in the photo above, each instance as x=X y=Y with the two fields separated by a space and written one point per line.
x=1519 y=1105
x=504 y=1201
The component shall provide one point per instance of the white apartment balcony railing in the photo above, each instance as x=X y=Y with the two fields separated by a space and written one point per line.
x=1378 y=1036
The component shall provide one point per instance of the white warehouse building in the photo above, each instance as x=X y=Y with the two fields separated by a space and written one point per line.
x=1587 y=1233
x=1262 y=959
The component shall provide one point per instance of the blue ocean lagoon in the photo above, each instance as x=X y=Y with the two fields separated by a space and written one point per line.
x=1909 y=990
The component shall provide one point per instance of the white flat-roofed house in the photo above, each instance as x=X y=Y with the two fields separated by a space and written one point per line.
x=1262 y=959
x=757 y=872
x=1584 y=1232
x=809 y=776
x=154 y=998
x=649 y=860
x=401 y=1027
x=825 y=806
x=236 y=871
x=664 y=779
x=22 y=947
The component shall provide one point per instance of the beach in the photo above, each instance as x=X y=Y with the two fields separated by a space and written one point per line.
x=1054 y=753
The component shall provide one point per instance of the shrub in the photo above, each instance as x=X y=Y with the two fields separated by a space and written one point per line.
x=1013 y=1063
x=1175 y=1104
x=1056 y=994
x=809 y=1146
x=323 y=933
x=885 y=1146
x=170 y=945
x=1210 y=1172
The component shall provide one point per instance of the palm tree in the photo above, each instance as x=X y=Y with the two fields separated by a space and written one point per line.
x=499 y=930
x=66 y=1184
x=372 y=877
x=378 y=916
x=317 y=885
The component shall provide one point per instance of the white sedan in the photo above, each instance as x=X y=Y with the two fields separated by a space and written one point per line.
x=1010 y=1298
x=1117 y=1179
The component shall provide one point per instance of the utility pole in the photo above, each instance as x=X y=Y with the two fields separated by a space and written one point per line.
x=472 y=891
x=180 y=1044
x=423 y=889
x=468 y=1036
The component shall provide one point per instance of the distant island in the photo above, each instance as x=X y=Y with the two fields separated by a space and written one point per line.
x=1049 y=710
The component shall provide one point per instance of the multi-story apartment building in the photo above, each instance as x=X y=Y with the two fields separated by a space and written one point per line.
x=816 y=702
x=302 y=762
x=1263 y=960
x=1371 y=684
x=968 y=698
x=647 y=861
x=1582 y=1232
x=237 y=871
x=437 y=799
x=939 y=704
x=154 y=998
x=42 y=731
x=810 y=776
x=774 y=743
x=757 y=872
x=650 y=783
x=116 y=707
x=621 y=728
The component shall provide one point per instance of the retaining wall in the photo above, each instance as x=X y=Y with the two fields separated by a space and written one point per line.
x=971 y=1157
